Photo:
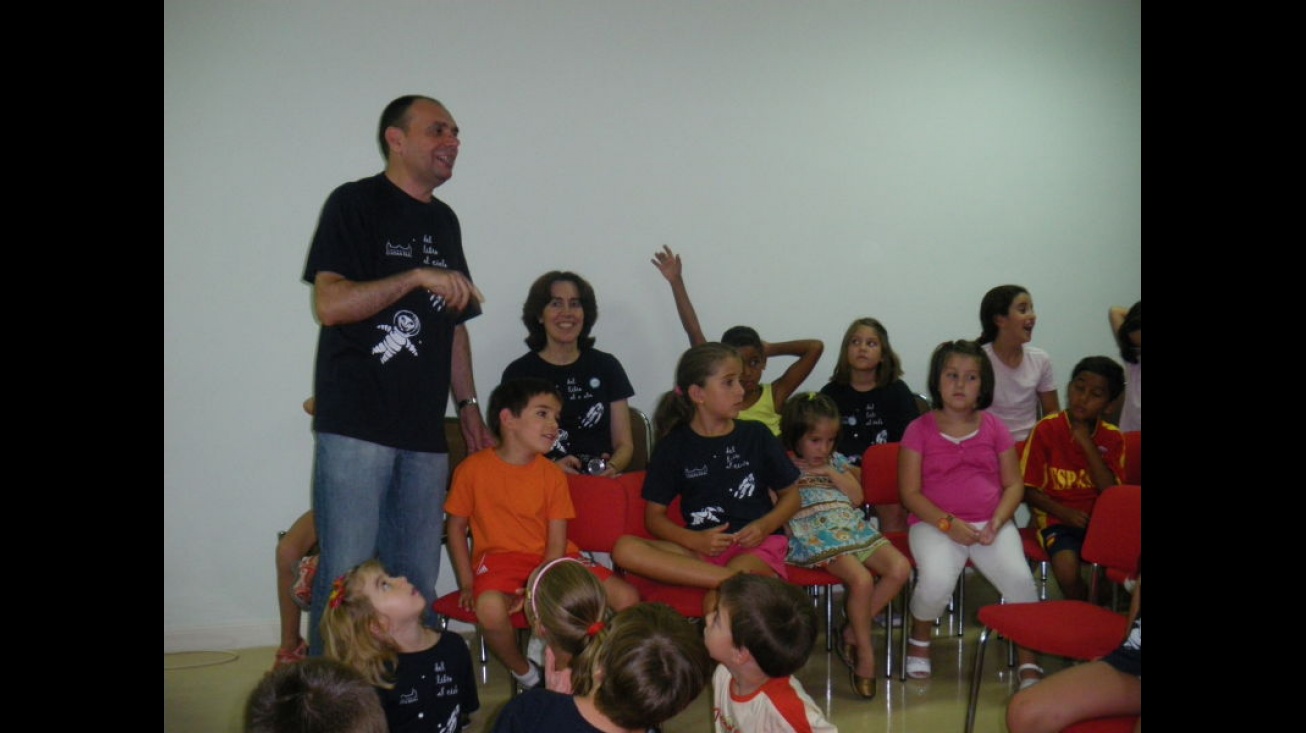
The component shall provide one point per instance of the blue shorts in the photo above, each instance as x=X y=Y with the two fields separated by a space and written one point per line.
x=1062 y=537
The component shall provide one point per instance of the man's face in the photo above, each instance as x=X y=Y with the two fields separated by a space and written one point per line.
x=428 y=147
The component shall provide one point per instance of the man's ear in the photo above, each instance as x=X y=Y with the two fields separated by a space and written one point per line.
x=394 y=137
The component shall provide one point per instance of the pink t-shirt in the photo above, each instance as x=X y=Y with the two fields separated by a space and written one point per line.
x=962 y=478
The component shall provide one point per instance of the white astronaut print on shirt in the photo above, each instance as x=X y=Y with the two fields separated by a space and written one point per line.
x=399 y=337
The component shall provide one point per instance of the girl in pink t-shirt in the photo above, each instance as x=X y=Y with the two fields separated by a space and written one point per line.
x=959 y=477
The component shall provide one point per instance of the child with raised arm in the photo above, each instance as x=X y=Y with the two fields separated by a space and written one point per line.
x=373 y=623
x=723 y=470
x=1127 y=327
x=959 y=476
x=874 y=402
x=762 y=402
x=515 y=503
x=1070 y=458
x=1024 y=385
x=641 y=668
x=830 y=531
x=761 y=632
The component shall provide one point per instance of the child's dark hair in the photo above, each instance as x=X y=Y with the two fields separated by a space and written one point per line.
x=515 y=394
x=890 y=368
x=693 y=369
x=538 y=298
x=800 y=412
x=771 y=618
x=646 y=667
x=742 y=337
x=1106 y=368
x=961 y=347
x=1133 y=322
x=996 y=302
x=314 y=695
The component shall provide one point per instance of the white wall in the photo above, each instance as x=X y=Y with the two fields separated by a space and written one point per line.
x=813 y=162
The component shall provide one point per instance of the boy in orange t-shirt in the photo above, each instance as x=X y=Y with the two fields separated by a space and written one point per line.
x=516 y=504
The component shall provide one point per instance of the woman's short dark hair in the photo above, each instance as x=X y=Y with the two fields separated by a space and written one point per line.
x=538 y=298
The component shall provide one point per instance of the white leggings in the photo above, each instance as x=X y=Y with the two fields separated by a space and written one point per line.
x=939 y=562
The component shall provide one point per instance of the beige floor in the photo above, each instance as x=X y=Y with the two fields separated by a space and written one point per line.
x=203 y=692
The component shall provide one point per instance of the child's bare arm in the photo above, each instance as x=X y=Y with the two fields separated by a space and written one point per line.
x=556 y=544
x=455 y=532
x=787 y=503
x=808 y=352
x=668 y=263
x=710 y=542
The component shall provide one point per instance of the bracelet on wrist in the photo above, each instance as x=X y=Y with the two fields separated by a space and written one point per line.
x=469 y=401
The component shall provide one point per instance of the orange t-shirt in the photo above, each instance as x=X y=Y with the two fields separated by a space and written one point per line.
x=509 y=507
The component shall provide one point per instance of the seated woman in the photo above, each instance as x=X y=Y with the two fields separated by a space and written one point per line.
x=595 y=435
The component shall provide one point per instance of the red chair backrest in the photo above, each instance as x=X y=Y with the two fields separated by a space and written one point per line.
x=1115 y=531
x=600 y=504
x=880 y=474
x=635 y=504
x=1134 y=457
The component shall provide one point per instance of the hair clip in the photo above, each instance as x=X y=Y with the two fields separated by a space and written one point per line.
x=595 y=628
x=676 y=389
x=337 y=593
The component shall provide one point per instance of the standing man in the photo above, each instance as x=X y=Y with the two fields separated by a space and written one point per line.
x=392 y=292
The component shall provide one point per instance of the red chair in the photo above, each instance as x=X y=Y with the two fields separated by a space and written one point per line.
x=1034 y=551
x=688 y=601
x=880 y=486
x=820 y=583
x=1077 y=630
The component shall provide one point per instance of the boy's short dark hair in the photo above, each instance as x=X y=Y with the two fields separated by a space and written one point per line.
x=741 y=337
x=772 y=619
x=514 y=395
x=314 y=695
x=1106 y=368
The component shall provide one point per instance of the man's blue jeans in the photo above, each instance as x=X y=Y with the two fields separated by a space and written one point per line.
x=369 y=501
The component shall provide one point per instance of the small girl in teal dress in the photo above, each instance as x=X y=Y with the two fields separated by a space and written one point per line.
x=830 y=531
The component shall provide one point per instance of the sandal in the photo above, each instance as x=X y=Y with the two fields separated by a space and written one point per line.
x=290 y=656
x=1027 y=682
x=918 y=668
x=847 y=652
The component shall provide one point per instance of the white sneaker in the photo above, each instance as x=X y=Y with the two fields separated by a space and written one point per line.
x=535 y=650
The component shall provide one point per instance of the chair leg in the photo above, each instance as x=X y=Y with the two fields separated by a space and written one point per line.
x=961 y=603
x=976 y=676
x=828 y=592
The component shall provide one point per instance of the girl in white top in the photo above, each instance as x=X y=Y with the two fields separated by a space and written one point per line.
x=1025 y=386
x=1127 y=327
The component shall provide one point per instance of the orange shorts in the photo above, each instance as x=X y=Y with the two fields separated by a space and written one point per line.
x=507 y=572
